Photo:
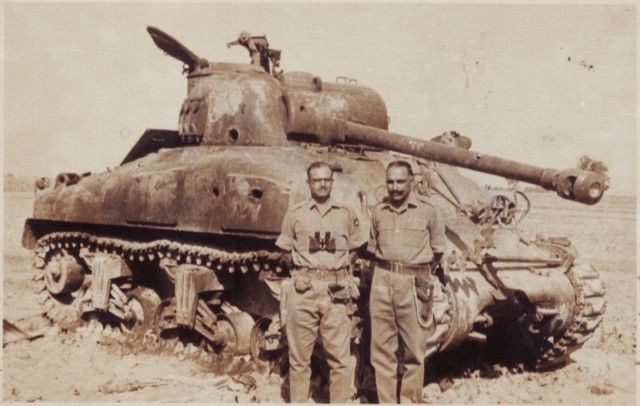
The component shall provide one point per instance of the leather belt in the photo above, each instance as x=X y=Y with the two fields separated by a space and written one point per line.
x=323 y=273
x=405 y=269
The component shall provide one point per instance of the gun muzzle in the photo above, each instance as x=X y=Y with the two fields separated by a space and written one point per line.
x=579 y=185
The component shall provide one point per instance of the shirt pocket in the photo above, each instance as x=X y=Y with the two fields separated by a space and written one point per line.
x=386 y=233
x=415 y=233
x=303 y=232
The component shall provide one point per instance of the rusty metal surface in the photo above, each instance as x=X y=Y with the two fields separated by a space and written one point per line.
x=199 y=189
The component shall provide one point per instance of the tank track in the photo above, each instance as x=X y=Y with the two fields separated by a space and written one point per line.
x=590 y=306
x=65 y=312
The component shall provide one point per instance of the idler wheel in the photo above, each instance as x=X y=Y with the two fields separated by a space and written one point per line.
x=61 y=286
x=140 y=309
x=63 y=274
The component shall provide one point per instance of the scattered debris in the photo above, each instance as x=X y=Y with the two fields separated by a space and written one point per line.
x=600 y=389
x=13 y=334
x=215 y=384
x=119 y=387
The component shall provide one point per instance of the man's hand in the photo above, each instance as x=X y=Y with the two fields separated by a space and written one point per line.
x=435 y=264
x=287 y=259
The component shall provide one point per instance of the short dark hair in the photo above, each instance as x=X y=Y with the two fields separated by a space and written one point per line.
x=318 y=164
x=401 y=164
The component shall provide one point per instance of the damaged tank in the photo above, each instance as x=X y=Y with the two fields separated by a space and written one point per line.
x=178 y=241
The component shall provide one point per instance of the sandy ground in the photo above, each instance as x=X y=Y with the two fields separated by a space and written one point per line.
x=90 y=366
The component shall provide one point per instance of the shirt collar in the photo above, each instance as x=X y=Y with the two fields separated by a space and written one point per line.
x=410 y=202
x=313 y=204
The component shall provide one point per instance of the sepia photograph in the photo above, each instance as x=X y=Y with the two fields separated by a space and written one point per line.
x=320 y=202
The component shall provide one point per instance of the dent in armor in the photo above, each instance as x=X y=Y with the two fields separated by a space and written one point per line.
x=239 y=204
x=252 y=203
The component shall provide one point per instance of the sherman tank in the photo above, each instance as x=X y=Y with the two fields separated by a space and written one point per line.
x=177 y=242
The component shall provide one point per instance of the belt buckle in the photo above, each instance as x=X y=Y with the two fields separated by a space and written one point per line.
x=396 y=267
x=322 y=273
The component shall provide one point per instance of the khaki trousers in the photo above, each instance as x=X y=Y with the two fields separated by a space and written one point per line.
x=308 y=314
x=394 y=314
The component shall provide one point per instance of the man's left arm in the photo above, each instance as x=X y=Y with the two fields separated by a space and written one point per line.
x=438 y=238
x=286 y=239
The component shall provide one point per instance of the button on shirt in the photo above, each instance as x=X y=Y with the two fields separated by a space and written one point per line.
x=301 y=223
x=409 y=234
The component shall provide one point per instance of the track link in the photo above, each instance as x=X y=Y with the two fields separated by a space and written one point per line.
x=65 y=309
x=216 y=259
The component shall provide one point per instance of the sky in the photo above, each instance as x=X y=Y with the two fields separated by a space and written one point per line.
x=541 y=84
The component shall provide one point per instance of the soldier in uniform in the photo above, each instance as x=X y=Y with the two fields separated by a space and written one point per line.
x=321 y=235
x=407 y=239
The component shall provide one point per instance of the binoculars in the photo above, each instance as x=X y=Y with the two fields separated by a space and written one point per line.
x=322 y=244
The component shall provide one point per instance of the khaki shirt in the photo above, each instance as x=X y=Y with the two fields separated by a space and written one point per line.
x=305 y=219
x=409 y=234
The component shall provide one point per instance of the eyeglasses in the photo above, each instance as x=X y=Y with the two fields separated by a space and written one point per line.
x=320 y=180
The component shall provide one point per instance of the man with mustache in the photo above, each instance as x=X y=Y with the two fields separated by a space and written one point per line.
x=408 y=240
x=321 y=235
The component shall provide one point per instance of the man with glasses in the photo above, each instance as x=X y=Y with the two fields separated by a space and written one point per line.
x=320 y=234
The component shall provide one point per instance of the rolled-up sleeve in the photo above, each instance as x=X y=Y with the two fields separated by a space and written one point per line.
x=437 y=231
x=286 y=239
x=357 y=237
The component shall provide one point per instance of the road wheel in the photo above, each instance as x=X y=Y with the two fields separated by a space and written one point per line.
x=140 y=309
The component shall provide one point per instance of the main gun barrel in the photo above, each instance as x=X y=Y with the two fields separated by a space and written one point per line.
x=573 y=184
x=346 y=113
